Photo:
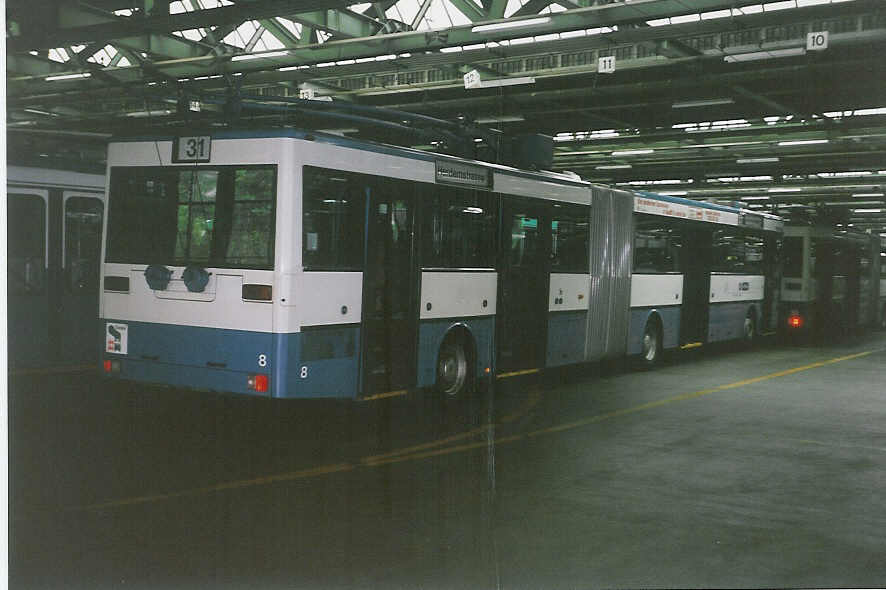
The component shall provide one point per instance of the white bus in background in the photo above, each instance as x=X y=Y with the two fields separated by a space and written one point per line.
x=53 y=258
x=295 y=264
x=831 y=284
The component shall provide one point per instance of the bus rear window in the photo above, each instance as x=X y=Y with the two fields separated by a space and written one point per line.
x=210 y=216
x=792 y=257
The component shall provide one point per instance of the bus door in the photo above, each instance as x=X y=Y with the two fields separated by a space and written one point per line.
x=81 y=251
x=523 y=292
x=389 y=286
x=696 y=285
x=28 y=278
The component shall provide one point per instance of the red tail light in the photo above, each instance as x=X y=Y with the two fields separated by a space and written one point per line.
x=107 y=366
x=257 y=383
x=795 y=321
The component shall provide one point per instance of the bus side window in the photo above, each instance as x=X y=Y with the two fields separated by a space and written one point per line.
x=27 y=244
x=83 y=234
x=657 y=245
x=333 y=219
x=570 y=238
x=459 y=229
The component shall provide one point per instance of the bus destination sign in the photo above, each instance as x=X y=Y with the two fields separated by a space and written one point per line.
x=191 y=149
x=463 y=175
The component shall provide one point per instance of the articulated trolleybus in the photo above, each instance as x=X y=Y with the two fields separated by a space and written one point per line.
x=296 y=265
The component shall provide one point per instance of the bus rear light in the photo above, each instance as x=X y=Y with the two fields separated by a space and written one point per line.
x=795 y=321
x=257 y=292
x=257 y=383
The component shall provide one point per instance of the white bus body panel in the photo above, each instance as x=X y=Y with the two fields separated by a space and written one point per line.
x=326 y=298
x=656 y=290
x=457 y=294
x=727 y=288
x=571 y=290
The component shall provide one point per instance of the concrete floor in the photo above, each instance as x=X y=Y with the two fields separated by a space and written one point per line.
x=761 y=468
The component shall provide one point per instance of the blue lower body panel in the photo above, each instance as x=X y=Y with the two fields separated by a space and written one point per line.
x=567 y=332
x=430 y=337
x=319 y=362
x=202 y=358
x=670 y=326
x=726 y=320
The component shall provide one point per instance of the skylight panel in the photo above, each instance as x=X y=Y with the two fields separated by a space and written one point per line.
x=752 y=9
x=772 y=6
x=177 y=7
x=716 y=14
x=457 y=18
x=59 y=55
x=686 y=18
x=512 y=7
x=292 y=27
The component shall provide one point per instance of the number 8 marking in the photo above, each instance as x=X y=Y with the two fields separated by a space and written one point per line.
x=304 y=372
x=262 y=360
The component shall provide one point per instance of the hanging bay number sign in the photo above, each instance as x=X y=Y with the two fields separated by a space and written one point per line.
x=191 y=148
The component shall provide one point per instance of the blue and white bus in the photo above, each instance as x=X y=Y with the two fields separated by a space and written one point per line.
x=54 y=244
x=831 y=284
x=296 y=265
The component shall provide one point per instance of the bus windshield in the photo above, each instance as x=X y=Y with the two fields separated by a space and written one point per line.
x=220 y=216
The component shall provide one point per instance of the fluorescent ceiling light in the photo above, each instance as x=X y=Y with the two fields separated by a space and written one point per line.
x=506 y=82
x=758 y=55
x=851 y=203
x=802 y=142
x=158 y=113
x=39 y=112
x=259 y=55
x=853 y=194
x=632 y=152
x=755 y=160
x=613 y=166
x=755 y=198
x=868 y=210
x=784 y=190
x=707 y=102
x=68 y=76
x=511 y=24
x=674 y=193
x=500 y=119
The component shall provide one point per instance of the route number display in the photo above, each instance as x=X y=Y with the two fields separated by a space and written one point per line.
x=192 y=149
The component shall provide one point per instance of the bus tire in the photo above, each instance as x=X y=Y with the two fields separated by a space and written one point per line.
x=650 y=355
x=749 y=329
x=453 y=366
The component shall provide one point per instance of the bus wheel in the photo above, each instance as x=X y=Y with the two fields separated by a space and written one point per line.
x=749 y=331
x=452 y=367
x=651 y=344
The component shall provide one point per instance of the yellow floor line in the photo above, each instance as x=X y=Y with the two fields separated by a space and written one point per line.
x=688 y=396
x=516 y=373
x=446 y=451
x=388 y=394
x=231 y=485
x=427 y=445
x=409 y=454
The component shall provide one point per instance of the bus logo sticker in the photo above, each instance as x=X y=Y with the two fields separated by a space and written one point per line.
x=116 y=338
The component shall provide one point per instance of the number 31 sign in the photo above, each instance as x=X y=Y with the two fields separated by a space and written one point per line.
x=191 y=149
